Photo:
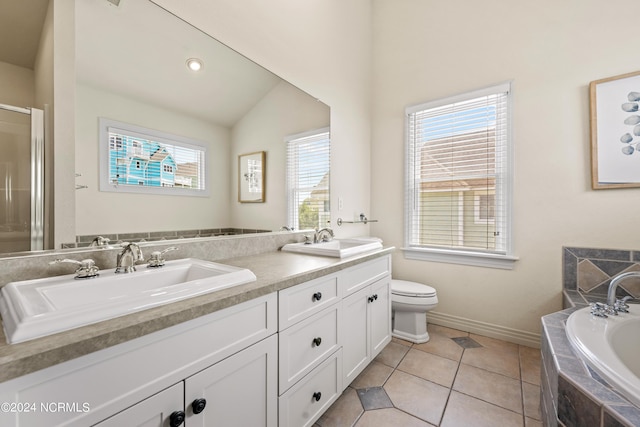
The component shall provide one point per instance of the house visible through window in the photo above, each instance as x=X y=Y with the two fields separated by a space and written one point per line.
x=308 y=172
x=137 y=159
x=458 y=178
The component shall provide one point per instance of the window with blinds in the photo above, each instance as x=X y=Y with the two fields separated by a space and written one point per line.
x=458 y=174
x=136 y=159
x=308 y=171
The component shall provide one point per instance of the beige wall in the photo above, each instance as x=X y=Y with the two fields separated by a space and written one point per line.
x=284 y=111
x=427 y=49
x=322 y=47
x=16 y=85
x=112 y=212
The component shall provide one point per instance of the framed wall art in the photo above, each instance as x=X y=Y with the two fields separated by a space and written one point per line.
x=615 y=131
x=251 y=174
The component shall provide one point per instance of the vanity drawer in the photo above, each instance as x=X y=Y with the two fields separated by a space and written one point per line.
x=307 y=400
x=299 y=302
x=307 y=343
x=359 y=276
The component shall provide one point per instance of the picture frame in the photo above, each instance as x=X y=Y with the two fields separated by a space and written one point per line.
x=251 y=177
x=615 y=131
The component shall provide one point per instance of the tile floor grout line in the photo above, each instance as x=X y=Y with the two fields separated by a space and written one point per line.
x=446 y=404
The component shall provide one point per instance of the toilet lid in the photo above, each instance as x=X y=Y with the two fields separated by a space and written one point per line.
x=411 y=289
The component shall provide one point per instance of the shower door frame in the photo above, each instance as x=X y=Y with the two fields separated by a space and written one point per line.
x=37 y=173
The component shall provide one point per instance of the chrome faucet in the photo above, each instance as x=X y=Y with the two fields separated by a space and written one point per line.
x=127 y=259
x=318 y=235
x=156 y=259
x=611 y=294
x=100 y=241
x=86 y=269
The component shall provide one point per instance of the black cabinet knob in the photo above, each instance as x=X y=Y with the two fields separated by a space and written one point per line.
x=375 y=296
x=176 y=418
x=370 y=299
x=317 y=341
x=317 y=296
x=317 y=395
x=198 y=405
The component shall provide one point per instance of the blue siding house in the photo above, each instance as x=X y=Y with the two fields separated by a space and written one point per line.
x=140 y=162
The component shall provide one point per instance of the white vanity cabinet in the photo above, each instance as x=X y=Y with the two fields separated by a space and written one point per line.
x=218 y=395
x=205 y=356
x=330 y=329
x=310 y=374
x=366 y=327
x=277 y=360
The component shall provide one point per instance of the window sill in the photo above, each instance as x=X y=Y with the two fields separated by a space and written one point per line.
x=505 y=262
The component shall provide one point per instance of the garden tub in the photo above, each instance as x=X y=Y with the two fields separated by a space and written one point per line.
x=611 y=347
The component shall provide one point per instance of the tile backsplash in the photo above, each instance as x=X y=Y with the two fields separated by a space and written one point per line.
x=151 y=236
x=590 y=271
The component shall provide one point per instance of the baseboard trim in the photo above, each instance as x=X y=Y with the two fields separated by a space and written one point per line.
x=486 y=329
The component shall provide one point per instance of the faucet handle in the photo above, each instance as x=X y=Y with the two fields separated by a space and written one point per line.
x=87 y=268
x=621 y=305
x=156 y=258
x=598 y=309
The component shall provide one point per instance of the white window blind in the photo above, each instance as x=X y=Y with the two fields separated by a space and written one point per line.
x=308 y=172
x=458 y=173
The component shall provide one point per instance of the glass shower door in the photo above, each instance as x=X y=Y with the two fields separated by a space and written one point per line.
x=21 y=179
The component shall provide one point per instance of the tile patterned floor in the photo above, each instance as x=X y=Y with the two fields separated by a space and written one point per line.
x=457 y=379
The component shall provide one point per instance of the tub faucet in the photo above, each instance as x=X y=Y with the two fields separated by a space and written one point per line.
x=318 y=235
x=616 y=304
x=127 y=259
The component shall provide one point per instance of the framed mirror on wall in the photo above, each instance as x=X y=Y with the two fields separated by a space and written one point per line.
x=251 y=177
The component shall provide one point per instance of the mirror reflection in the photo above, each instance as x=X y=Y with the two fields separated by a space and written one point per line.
x=132 y=64
x=132 y=67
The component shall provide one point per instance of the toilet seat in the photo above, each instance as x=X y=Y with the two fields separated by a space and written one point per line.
x=405 y=288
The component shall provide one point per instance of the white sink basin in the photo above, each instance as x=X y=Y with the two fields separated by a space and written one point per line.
x=36 y=308
x=337 y=248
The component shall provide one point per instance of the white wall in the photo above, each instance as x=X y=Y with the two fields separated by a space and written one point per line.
x=320 y=46
x=284 y=111
x=112 y=212
x=428 y=49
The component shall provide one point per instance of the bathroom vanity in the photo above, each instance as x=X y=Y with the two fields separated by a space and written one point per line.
x=278 y=351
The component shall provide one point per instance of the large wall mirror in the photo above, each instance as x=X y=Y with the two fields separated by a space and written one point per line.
x=131 y=67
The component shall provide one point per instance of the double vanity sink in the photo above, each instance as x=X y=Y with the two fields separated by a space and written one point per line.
x=40 y=307
x=36 y=308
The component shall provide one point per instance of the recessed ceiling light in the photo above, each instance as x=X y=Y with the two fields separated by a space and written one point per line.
x=194 y=64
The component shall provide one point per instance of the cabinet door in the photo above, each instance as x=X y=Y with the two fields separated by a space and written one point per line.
x=380 y=315
x=355 y=339
x=156 y=411
x=241 y=390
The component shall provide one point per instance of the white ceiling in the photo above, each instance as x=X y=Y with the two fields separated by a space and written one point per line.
x=140 y=50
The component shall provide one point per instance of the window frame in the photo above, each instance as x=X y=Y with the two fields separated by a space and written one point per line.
x=293 y=211
x=504 y=259
x=107 y=125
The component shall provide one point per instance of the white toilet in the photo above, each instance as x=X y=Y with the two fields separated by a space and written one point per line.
x=410 y=302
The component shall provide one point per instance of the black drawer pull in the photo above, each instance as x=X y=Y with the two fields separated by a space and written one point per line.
x=198 y=405
x=176 y=418
x=317 y=341
x=317 y=296
x=317 y=396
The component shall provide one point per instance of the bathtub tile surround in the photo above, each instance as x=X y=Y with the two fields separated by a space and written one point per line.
x=590 y=271
x=572 y=394
x=449 y=381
